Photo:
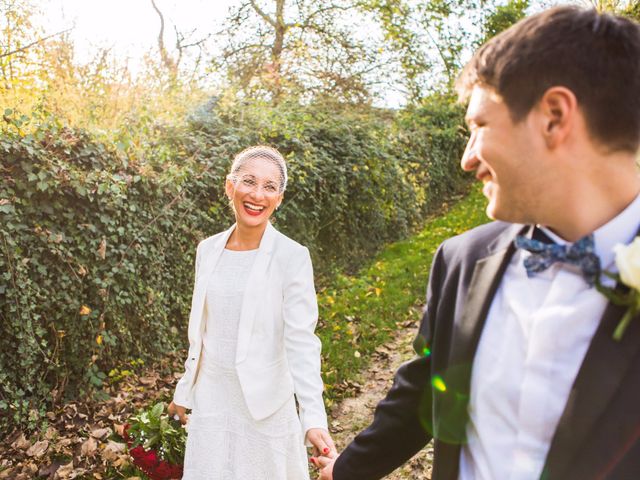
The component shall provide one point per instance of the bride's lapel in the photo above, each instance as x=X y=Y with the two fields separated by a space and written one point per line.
x=255 y=290
x=209 y=260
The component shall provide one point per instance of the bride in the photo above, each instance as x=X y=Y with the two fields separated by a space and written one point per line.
x=252 y=377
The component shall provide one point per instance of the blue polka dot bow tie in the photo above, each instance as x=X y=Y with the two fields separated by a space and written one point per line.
x=543 y=255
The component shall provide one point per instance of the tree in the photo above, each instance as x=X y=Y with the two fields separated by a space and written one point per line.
x=504 y=16
x=627 y=8
x=431 y=37
x=633 y=11
x=17 y=37
x=434 y=38
x=300 y=47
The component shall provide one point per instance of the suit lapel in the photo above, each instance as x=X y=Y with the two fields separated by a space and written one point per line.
x=599 y=378
x=254 y=291
x=486 y=277
x=452 y=416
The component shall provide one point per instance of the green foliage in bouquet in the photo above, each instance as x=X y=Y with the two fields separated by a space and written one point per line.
x=153 y=429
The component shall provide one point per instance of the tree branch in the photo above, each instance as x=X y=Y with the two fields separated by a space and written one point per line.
x=40 y=40
x=242 y=48
x=164 y=56
x=307 y=22
x=259 y=11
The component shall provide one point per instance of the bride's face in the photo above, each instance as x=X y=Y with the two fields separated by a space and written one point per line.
x=254 y=190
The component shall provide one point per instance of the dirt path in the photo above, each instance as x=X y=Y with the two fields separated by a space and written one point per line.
x=352 y=415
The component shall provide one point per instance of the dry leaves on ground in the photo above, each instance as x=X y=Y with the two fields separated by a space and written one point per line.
x=84 y=439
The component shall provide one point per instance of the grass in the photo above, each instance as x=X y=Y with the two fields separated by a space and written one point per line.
x=359 y=313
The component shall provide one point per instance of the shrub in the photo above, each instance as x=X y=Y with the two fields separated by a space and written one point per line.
x=97 y=241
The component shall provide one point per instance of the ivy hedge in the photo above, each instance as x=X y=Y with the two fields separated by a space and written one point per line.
x=97 y=239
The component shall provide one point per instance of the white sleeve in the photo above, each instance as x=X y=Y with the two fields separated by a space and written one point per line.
x=300 y=312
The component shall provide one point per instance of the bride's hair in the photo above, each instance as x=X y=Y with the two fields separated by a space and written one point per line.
x=262 y=152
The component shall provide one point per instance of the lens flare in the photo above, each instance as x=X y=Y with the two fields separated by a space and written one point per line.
x=438 y=383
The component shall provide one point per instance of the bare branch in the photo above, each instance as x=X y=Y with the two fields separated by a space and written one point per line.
x=443 y=57
x=260 y=12
x=164 y=56
x=198 y=43
x=40 y=40
x=242 y=48
x=307 y=23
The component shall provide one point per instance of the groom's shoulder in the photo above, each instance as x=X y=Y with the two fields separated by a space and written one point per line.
x=481 y=241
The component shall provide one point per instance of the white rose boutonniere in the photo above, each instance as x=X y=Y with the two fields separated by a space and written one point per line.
x=628 y=263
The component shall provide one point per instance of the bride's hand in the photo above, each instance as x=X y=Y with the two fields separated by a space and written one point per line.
x=173 y=409
x=322 y=442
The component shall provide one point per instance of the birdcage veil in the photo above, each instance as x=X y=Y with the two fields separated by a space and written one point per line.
x=259 y=153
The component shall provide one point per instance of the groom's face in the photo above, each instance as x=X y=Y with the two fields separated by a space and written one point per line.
x=505 y=157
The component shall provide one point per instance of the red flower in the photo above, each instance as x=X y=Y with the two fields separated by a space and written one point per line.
x=137 y=452
x=176 y=471
x=163 y=471
x=148 y=460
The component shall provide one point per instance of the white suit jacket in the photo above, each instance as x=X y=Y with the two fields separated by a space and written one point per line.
x=278 y=353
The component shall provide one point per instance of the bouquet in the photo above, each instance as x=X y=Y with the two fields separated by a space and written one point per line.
x=156 y=443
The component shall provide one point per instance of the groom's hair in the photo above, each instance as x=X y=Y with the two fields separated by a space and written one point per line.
x=595 y=55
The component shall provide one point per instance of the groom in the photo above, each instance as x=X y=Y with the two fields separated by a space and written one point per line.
x=517 y=374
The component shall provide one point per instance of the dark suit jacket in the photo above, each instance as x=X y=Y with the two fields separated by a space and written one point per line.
x=598 y=435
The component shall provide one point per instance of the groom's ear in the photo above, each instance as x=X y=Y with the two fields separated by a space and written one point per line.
x=559 y=112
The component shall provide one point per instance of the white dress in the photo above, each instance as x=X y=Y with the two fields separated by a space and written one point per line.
x=224 y=442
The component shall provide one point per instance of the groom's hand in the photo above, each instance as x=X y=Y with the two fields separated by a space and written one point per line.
x=326 y=467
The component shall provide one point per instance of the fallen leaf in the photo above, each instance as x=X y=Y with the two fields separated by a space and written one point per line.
x=63 y=442
x=122 y=461
x=85 y=310
x=21 y=443
x=30 y=469
x=38 y=449
x=101 y=433
x=8 y=473
x=119 y=428
x=49 y=470
x=113 y=451
x=51 y=433
x=65 y=471
x=148 y=380
x=102 y=249
x=89 y=447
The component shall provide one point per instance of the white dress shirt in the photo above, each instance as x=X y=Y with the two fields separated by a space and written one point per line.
x=535 y=338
